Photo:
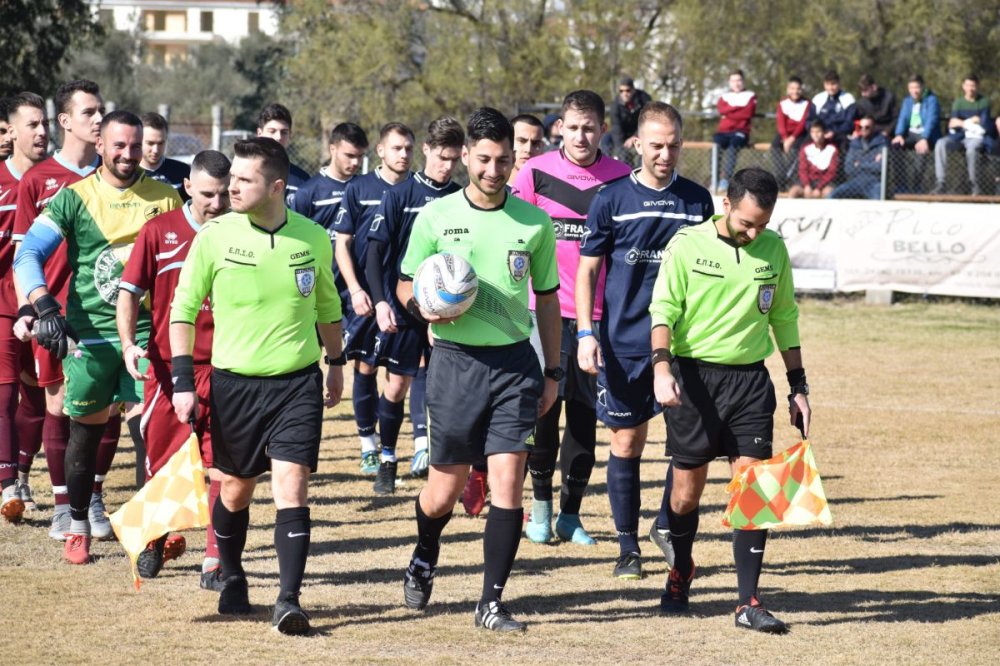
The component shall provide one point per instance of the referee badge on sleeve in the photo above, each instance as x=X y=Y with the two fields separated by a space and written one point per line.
x=765 y=297
x=519 y=262
x=305 y=280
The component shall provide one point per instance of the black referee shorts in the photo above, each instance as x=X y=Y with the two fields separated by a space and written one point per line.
x=726 y=411
x=481 y=401
x=259 y=419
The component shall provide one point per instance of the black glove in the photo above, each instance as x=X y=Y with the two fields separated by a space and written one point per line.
x=51 y=329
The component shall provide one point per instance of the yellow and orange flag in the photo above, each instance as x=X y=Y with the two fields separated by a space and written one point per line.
x=175 y=499
x=784 y=490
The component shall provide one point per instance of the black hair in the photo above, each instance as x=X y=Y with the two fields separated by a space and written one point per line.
x=351 y=133
x=121 y=117
x=274 y=112
x=488 y=123
x=153 y=120
x=273 y=157
x=212 y=162
x=584 y=101
x=65 y=92
x=756 y=182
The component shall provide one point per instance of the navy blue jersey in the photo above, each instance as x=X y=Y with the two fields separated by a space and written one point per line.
x=172 y=172
x=393 y=222
x=629 y=225
x=297 y=177
x=357 y=211
x=319 y=199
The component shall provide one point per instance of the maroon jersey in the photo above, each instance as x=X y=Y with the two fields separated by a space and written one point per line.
x=38 y=187
x=9 y=181
x=154 y=267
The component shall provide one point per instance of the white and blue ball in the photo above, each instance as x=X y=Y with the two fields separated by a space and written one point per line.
x=445 y=284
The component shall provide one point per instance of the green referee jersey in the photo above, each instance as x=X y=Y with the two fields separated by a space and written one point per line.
x=719 y=299
x=100 y=223
x=507 y=246
x=268 y=290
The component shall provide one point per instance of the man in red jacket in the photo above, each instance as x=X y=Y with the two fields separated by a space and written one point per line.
x=736 y=108
x=794 y=113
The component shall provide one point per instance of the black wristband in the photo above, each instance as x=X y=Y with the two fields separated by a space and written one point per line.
x=46 y=305
x=796 y=377
x=661 y=354
x=182 y=373
x=340 y=360
x=26 y=311
x=414 y=310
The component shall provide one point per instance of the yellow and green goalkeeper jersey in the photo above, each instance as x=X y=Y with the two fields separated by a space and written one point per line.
x=268 y=290
x=100 y=223
x=507 y=246
x=720 y=298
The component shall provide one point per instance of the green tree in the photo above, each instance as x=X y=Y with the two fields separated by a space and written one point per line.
x=34 y=37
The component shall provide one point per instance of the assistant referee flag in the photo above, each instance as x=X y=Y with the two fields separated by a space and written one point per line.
x=174 y=499
x=784 y=490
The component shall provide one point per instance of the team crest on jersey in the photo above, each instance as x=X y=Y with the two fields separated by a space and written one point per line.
x=765 y=297
x=108 y=271
x=152 y=211
x=305 y=280
x=519 y=263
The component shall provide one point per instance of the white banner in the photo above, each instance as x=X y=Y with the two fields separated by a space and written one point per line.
x=916 y=247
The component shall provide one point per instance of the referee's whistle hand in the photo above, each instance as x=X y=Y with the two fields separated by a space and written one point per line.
x=588 y=355
x=666 y=390
x=185 y=406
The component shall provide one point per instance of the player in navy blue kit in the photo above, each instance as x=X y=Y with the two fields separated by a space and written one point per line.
x=357 y=212
x=275 y=122
x=628 y=226
x=154 y=160
x=320 y=197
x=402 y=341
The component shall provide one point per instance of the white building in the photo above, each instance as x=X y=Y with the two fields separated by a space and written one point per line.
x=171 y=28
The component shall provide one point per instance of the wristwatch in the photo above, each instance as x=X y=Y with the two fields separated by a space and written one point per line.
x=340 y=360
x=555 y=374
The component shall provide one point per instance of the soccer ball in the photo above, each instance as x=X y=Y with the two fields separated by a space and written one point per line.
x=445 y=284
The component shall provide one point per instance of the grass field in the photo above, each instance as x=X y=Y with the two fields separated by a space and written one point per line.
x=906 y=430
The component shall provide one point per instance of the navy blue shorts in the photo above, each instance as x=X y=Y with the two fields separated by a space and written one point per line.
x=625 y=391
x=360 y=335
x=401 y=352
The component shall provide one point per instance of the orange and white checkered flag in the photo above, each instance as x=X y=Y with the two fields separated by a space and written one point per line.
x=175 y=499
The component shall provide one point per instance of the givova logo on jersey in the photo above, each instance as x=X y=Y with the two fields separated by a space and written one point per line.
x=108 y=271
x=636 y=256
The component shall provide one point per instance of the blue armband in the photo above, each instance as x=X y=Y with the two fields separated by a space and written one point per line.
x=583 y=333
x=29 y=263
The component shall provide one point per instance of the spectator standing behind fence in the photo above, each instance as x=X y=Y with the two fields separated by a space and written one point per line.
x=836 y=108
x=818 y=163
x=793 y=117
x=917 y=129
x=863 y=164
x=967 y=126
x=736 y=108
x=877 y=102
x=625 y=117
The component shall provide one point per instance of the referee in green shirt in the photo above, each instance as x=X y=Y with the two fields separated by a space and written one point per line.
x=723 y=287
x=485 y=388
x=268 y=271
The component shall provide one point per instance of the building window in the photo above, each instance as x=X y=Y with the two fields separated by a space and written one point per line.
x=155 y=21
x=253 y=23
x=207 y=22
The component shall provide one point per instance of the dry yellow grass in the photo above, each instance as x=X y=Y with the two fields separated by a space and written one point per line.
x=907 y=415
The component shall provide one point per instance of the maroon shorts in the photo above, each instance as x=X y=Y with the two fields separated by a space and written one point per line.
x=163 y=433
x=39 y=363
x=10 y=352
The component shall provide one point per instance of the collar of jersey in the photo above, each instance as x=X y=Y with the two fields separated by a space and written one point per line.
x=325 y=172
x=121 y=190
x=186 y=208
x=426 y=180
x=506 y=195
x=268 y=231
x=10 y=167
x=635 y=179
x=82 y=172
x=597 y=158
x=378 y=174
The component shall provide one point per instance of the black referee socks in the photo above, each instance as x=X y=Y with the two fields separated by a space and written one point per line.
x=291 y=540
x=748 y=553
x=231 y=535
x=577 y=457
x=429 y=535
x=500 y=542
x=683 y=529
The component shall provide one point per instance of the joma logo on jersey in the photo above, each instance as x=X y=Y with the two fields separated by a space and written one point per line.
x=661 y=202
x=637 y=256
x=452 y=232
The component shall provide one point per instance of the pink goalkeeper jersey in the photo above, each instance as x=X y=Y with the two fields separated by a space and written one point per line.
x=564 y=190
